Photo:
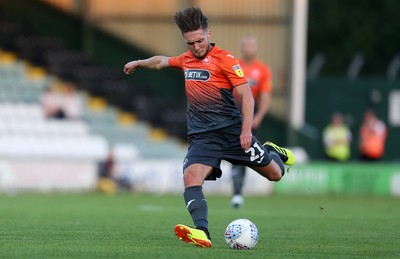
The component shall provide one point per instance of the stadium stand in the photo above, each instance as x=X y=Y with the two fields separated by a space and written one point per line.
x=25 y=132
x=29 y=62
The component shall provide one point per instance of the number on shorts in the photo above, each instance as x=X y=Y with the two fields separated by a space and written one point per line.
x=253 y=152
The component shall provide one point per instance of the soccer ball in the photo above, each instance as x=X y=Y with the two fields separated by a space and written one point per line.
x=241 y=234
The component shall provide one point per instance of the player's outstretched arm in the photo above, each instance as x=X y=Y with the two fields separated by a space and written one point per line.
x=155 y=62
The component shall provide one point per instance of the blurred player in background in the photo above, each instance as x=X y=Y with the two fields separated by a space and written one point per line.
x=216 y=128
x=259 y=78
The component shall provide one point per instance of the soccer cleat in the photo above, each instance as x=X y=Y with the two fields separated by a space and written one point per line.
x=192 y=235
x=285 y=154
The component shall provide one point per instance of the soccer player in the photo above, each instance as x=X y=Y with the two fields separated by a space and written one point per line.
x=216 y=129
x=259 y=78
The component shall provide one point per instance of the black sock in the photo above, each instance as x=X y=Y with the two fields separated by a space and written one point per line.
x=275 y=156
x=238 y=173
x=197 y=206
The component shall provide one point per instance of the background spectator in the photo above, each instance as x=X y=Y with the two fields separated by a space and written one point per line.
x=65 y=104
x=373 y=133
x=337 y=139
x=51 y=103
x=71 y=102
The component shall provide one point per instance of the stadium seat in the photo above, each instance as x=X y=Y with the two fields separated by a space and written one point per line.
x=23 y=125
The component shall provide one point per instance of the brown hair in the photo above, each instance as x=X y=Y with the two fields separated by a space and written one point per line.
x=191 y=19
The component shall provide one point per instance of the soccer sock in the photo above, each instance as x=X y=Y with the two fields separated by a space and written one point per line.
x=238 y=173
x=197 y=206
x=278 y=160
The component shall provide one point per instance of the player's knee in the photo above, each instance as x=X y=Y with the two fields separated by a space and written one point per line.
x=272 y=172
x=187 y=178
x=275 y=176
x=191 y=179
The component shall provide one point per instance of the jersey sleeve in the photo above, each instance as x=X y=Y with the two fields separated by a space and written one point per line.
x=176 y=62
x=232 y=70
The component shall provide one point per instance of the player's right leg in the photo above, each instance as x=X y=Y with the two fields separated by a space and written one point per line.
x=201 y=163
x=196 y=204
x=194 y=236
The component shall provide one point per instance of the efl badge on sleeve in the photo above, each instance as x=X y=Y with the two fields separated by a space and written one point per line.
x=238 y=70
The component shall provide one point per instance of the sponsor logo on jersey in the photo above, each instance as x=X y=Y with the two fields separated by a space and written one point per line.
x=197 y=74
x=238 y=70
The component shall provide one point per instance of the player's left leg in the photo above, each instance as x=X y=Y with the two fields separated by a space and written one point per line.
x=274 y=171
x=285 y=154
x=279 y=157
x=266 y=161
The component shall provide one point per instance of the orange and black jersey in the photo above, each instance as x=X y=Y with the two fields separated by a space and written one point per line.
x=259 y=77
x=209 y=84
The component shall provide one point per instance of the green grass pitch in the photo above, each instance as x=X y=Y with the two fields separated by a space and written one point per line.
x=141 y=226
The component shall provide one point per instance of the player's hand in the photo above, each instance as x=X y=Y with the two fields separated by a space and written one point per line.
x=130 y=67
x=246 y=139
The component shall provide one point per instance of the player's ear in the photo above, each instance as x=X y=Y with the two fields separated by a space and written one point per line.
x=209 y=34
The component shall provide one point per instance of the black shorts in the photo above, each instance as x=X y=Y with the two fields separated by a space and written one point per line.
x=209 y=148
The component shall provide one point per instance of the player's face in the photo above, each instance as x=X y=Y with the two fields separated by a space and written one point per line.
x=249 y=48
x=198 y=42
